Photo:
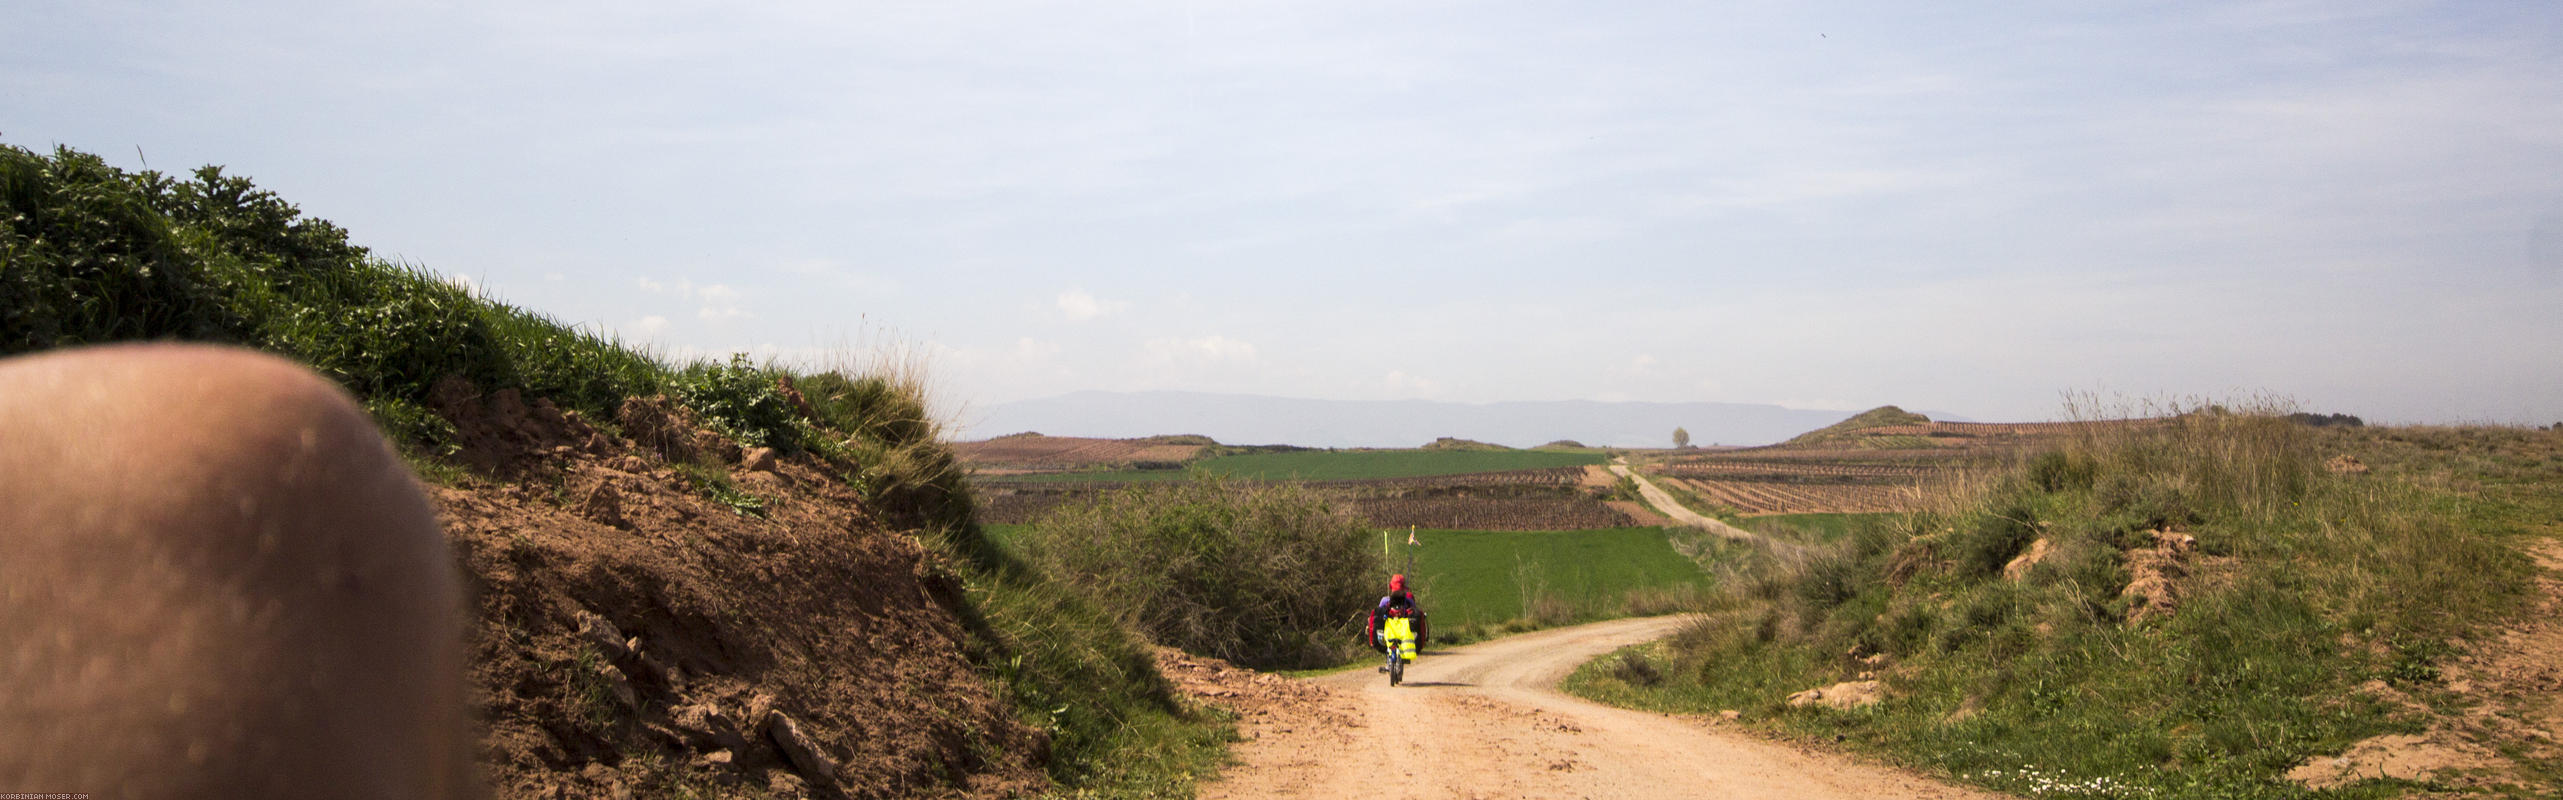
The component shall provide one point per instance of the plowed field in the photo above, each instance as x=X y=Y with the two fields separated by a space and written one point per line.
x=1035 y=453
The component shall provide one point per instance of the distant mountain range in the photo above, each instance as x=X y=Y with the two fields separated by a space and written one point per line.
x=1251 y=419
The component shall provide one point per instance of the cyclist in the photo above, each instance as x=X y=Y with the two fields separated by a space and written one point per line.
x=1398 y=603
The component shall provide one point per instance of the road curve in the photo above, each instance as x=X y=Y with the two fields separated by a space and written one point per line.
x=1485 y=721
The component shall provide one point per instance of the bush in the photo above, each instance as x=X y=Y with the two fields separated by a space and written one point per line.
x=1267 y=575
x=741 y=400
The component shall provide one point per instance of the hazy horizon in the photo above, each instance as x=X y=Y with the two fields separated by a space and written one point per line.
x=1974 y=207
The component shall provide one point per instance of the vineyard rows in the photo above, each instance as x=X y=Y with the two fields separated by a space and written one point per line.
x=1524 y=500
x=1069 y=452
x=1786 y=471
x=1797 y=498
x=1543 y=512
x=1520 y=478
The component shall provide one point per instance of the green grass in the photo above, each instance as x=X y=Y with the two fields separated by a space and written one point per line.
x=1322 y=465
x=1813 y=528
x=2305 y=585
x=1479 y=583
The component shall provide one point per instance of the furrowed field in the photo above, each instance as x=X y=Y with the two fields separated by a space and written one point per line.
x=1336 y=465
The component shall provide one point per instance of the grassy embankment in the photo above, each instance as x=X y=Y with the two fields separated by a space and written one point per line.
x=90 y=253
x=2304 y=585
x=1324 y=465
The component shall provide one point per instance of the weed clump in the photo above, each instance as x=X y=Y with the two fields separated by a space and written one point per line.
x=1266 y=575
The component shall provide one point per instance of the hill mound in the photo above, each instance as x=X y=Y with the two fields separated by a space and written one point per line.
x=1450 y=444
x=1863 y=422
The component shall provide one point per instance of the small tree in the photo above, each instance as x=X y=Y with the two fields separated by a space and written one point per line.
x=1681 y=438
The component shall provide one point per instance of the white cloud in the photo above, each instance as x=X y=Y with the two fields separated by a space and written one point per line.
x=840 y=276
x=1401 y=384
x=1203 y=350
x=719 y=303
x=1081 y=306
x=1032 y=349
x=649 y=326
x=716 y=302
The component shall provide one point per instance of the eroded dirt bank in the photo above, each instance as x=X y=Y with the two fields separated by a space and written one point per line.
x=638 y=637
x=1484 y=721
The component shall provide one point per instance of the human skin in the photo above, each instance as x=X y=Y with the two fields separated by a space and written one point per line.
x=217 y=580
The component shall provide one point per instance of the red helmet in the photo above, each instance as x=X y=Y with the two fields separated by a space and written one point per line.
x=1397 y=583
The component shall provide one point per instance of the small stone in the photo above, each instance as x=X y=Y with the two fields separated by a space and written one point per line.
x=797 y=747
x=1846 y=695
x=2018 y=569
x=620 y=685
x=759 y=459
x=1731 y=714
x=706 y=727
x=599 y=631
x=604 y=506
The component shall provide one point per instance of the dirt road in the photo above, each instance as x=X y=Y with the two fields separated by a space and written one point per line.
x=1666 y=505
x=1484 y=721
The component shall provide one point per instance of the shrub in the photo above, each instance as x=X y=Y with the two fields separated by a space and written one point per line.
x=872 y=406
x=2057 y=470
x=742 y=400
x=1267 y=575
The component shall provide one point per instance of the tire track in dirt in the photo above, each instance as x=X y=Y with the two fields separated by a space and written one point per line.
x=1484 y=721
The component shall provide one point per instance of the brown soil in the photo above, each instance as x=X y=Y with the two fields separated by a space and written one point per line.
x=2510 y=690
x=1036 y=453
x=1515 y=500
x=1639 y=513
x=1483 y=722
x=635 y=638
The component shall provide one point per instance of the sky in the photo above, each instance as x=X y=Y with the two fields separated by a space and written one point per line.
x=1980 y=208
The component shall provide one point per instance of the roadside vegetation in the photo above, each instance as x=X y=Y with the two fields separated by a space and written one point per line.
x=1809 y=528
x=90 y=253
x=2189 y=609
x=1265 y=575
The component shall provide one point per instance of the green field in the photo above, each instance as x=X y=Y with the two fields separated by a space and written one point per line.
x=1327 y=465
x=1811 y=528
x=1489 y=579
x=1482 y=583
